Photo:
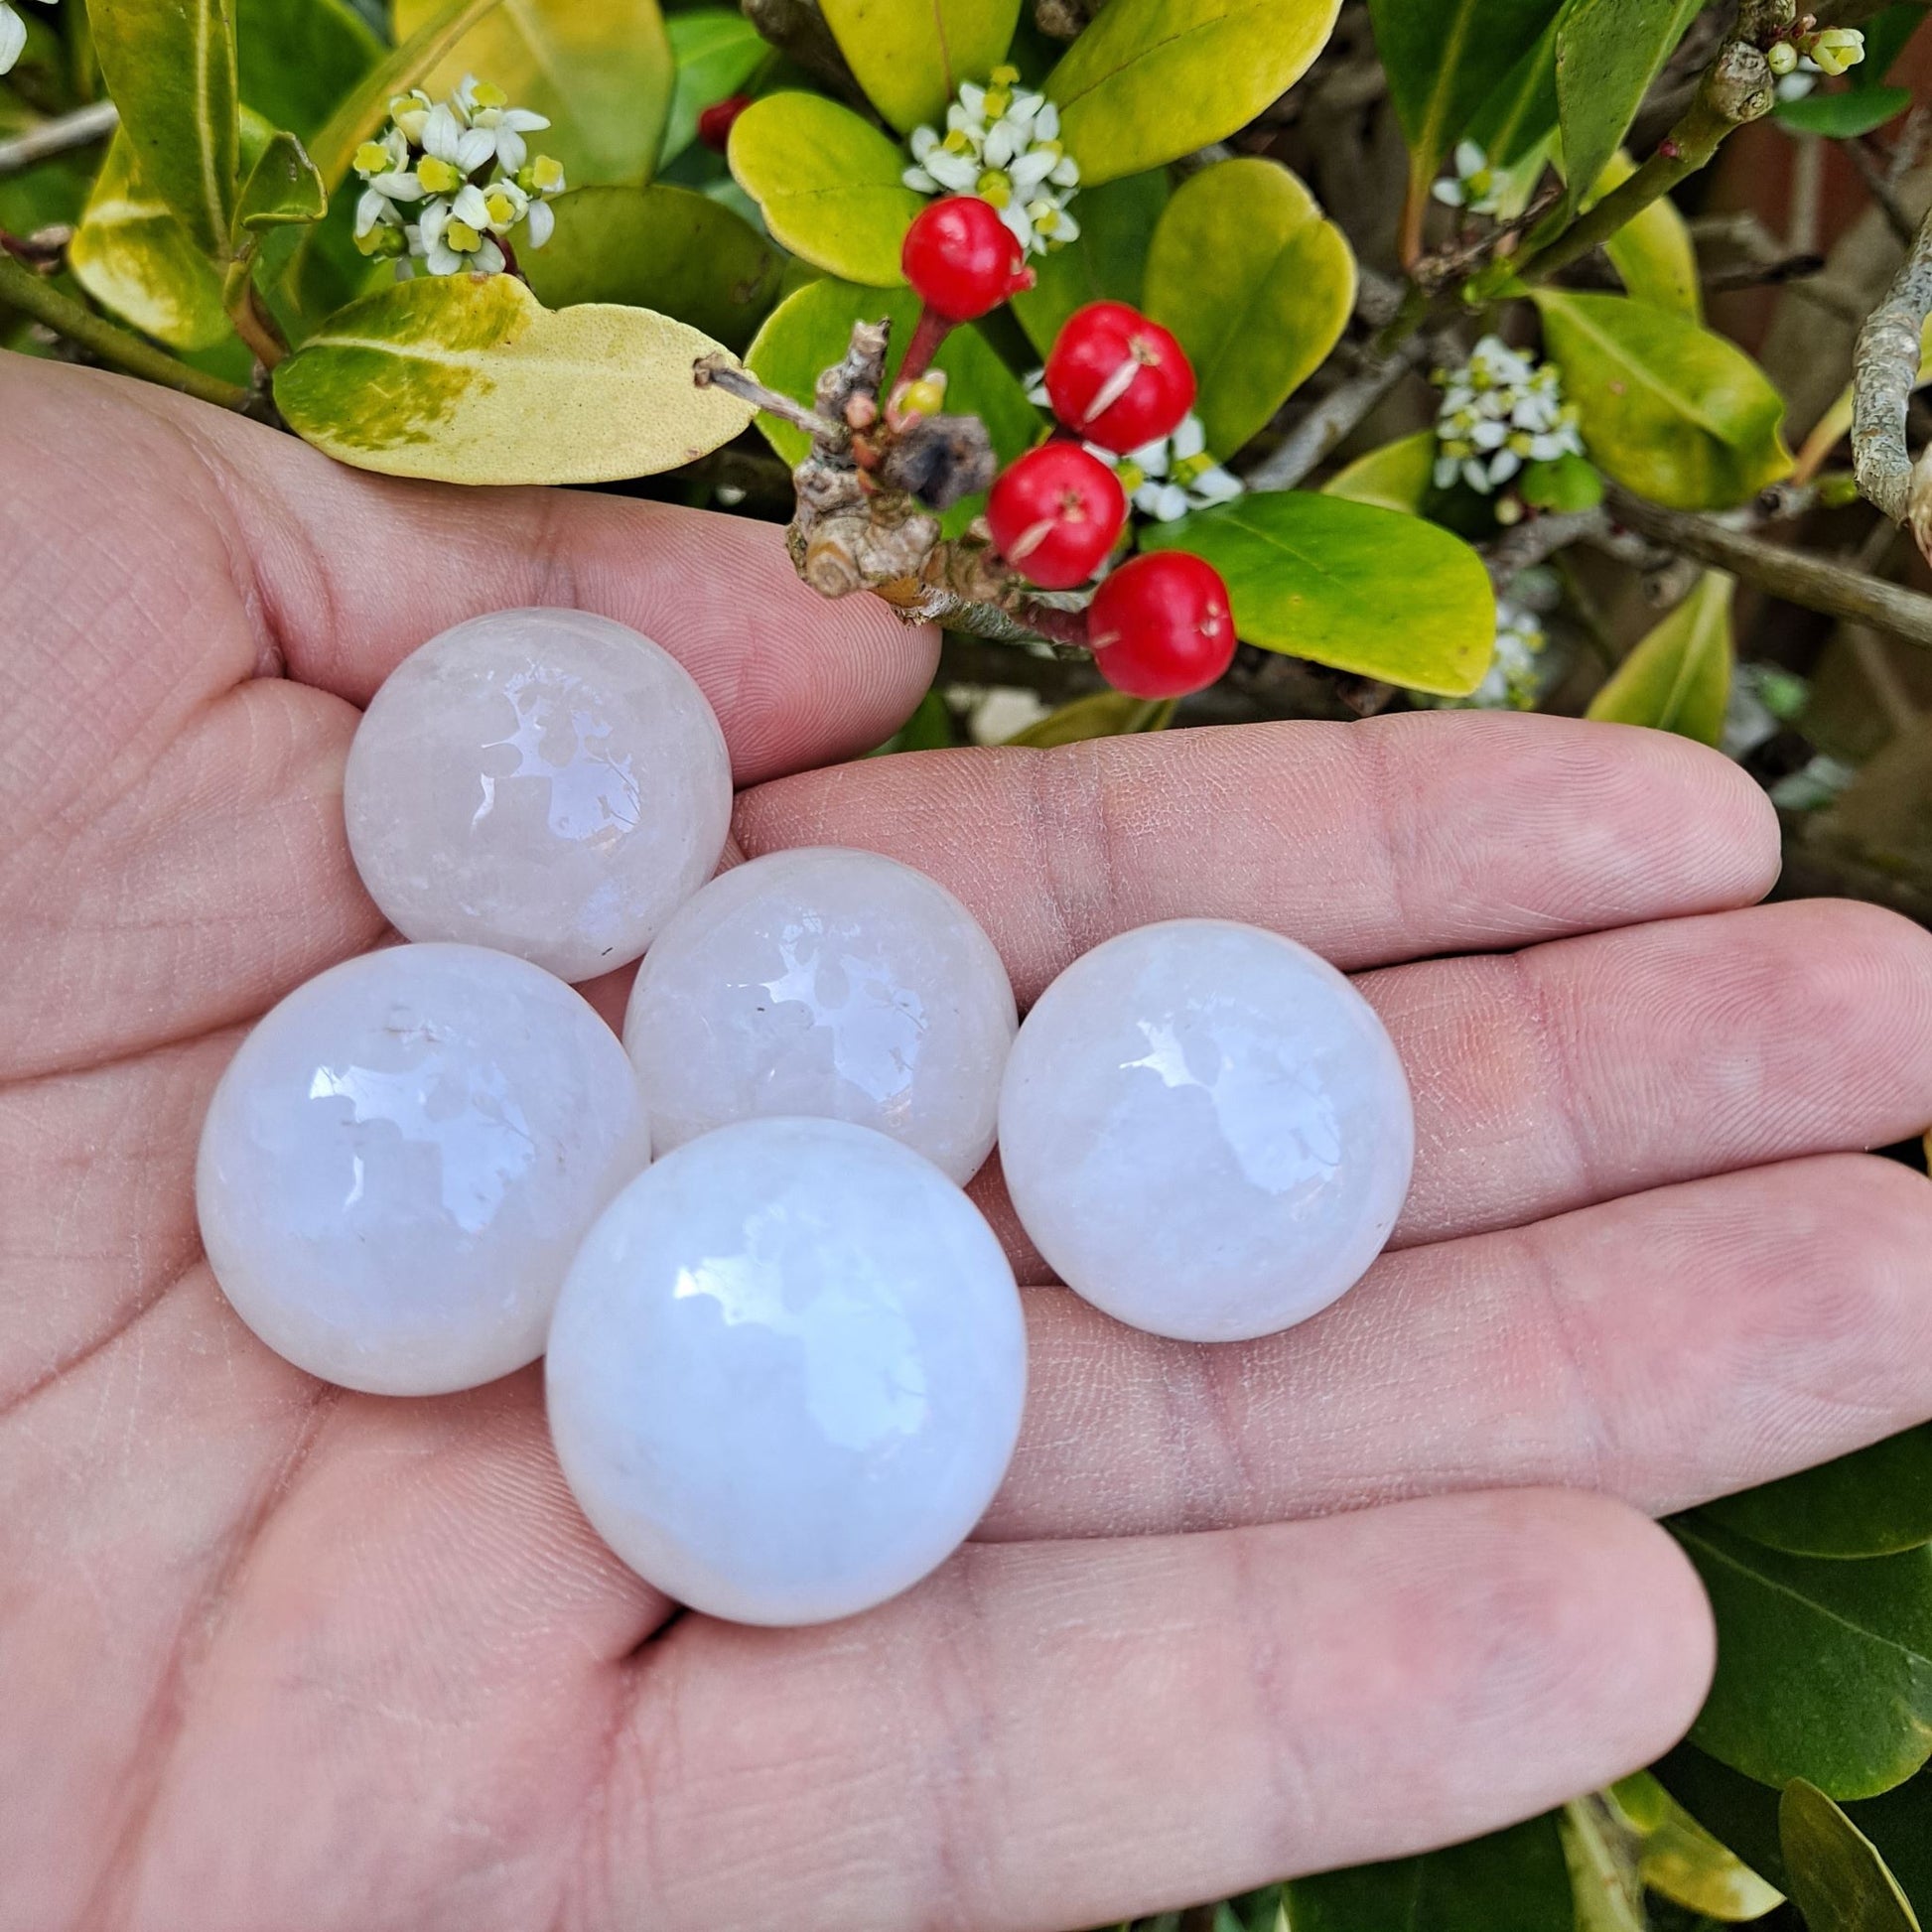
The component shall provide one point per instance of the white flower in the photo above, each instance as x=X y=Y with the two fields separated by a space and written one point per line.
x=385 y=167
x=1170 y=477
x=1514 y=678
x=1476 y=185
x=13 y=36
x=1835 y=48
x=1500 y=410
x=447 y=140
x=454 y=237
x=1003 y=143
x=488 y=109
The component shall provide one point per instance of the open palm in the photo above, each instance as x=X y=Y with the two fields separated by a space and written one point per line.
x=276 y=1656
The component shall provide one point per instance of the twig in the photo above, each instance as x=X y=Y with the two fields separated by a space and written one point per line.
x=1538 y=538
x=715 y=373
x=1884 y=369
x=797 y=27
x=79 y=129
x=1813 y=583
x=22 y=289
x=1337 y=414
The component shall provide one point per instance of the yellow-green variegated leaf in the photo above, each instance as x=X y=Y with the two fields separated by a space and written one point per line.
x=136 y=260
x=1669 y=409
x=170 y=65
x=827 y=184
x=471 y=379
x=1678 y=679
x=1256 y=282
x=910 y=55
x=659 y=247
x=1363 y=589
x=1152 y=79
x=1396 y=476
x=282 y=190
x=601 y=70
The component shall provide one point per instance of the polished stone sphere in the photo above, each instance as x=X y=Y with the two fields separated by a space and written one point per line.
x=401 y=1160
x=1206 y=1130
x=786 y=1371
x=825 y=982
x=546 y=782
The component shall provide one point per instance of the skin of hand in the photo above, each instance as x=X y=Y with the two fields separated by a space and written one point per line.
x=279 y=1658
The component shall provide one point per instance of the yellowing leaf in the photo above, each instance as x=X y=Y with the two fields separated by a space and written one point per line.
x=134 y=257
x=1152 y=79
x=471 y=379
x=1678 y=679
x=601 y=70
x=827 y=184
x=1365 y=590
x=1396 y=476
x=1669 y=410
x=1653 y=253
x=171 y=68
x=1256 y=282
x=1683 y=1861
x=910 y=55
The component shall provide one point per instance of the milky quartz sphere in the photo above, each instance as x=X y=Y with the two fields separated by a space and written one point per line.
x=831 y=983
x=543 y=781
x=1206 y=1130
x=786 y=1371
x=401 y=1160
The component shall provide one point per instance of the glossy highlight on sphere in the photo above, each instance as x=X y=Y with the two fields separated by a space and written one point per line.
x=1206 y=1130
x=546 y=782
x=786 y=1371
x=401 y=1160
x=830 y=982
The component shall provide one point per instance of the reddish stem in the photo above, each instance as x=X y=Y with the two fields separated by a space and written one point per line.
x=931 y=330
x=1061 y=627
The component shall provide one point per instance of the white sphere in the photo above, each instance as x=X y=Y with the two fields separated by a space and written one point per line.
x=401 y=1160
x=786 y=1371
x=828 y=983
x=546 y=782
x=1206 y=1130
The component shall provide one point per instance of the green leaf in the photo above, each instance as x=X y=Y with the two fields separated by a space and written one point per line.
x=1838 y=1879
x=471 y=379
x=1845 y=115
x=1873 y=1503
x=910 y=55
x=1608 y=52
x=135 y=258
x=659 y=247
x=601 y=70
x=1652 y=252
x=809 y=330
x=1396 y=477
x=827 y=184
x=1511 y=1881
x=1105 y=262
x=1824 y=1668
x=1444 y=59
x=1518 y=117
x=300 y=59
x=1365 y=590
x=1670 y=410
x=1102 y=713
x=1152 y=79
x=1257 y=285
x=1678 y=679
x=929 y=729
x=1681 y=1860
x=717 y=52
x=170 y=65
x=283 y=188
x=1563 y=483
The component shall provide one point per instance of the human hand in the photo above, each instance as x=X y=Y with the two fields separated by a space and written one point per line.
x=277 y=1657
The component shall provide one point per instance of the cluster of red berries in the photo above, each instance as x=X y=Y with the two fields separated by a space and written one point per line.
x=1159 y=624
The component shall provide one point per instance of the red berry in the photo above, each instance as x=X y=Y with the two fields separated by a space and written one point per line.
x=1054 y=514
x=1159 y=626
x=1117 y=378
x=715 y=123
x=962 y=260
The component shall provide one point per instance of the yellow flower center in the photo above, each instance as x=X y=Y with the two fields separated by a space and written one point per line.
x=461 y=236
x=437 y=175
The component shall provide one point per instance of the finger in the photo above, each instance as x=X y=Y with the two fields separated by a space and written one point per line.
x=346 y=573
x=1665 y=1349
x=1387 y=840
x=1069 y=1733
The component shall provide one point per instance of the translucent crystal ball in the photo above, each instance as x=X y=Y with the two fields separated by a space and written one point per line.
x=825 y=982
x=786 y=1371
x=547 y=782
x=1206 y=1130
x=401 y=1160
